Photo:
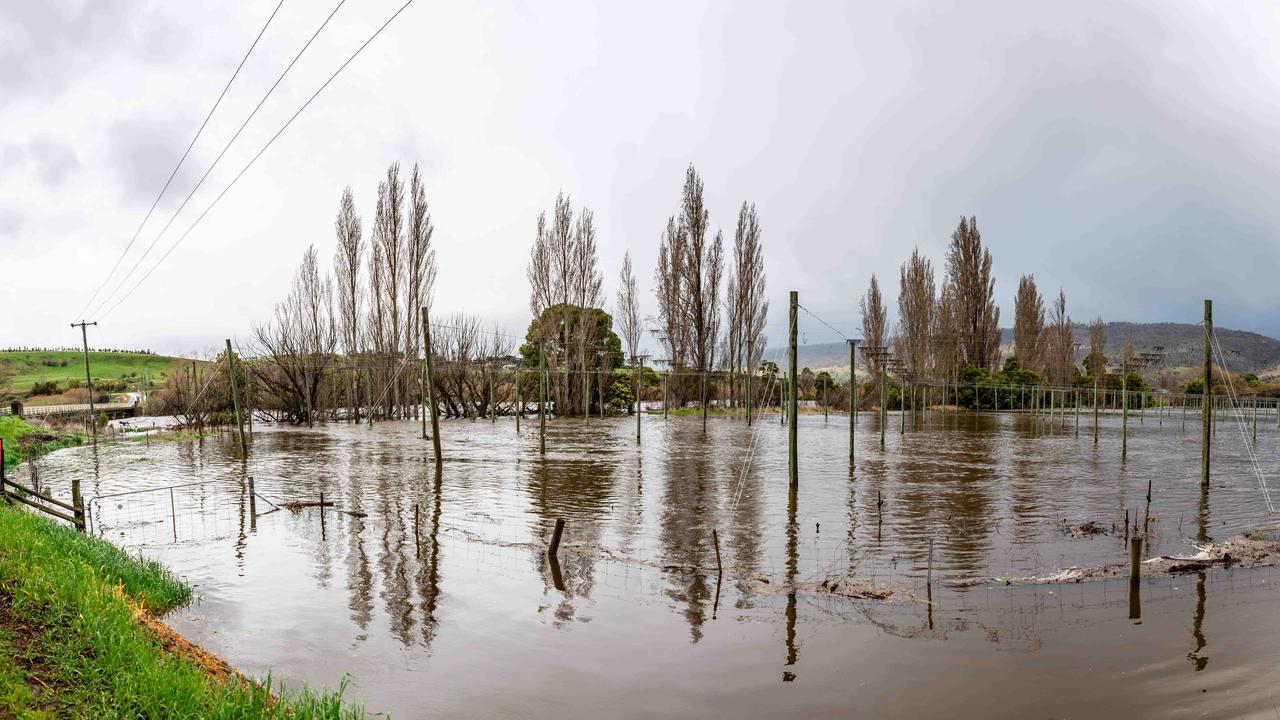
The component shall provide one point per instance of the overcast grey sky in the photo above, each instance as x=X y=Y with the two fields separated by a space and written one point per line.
x=1124 y=151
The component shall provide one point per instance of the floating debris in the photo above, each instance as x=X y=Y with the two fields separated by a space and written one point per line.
x=1253 y=549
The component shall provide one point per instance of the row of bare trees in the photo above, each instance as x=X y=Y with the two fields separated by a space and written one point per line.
x=357 y=356
x=700 y=327
x=940 y=330
x=937 y=330
x=687 y=284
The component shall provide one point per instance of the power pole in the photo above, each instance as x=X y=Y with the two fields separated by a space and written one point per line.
x=853 y=394
x=235 y=401
x=88 y=379
x=1207 y=397
x=430 y=389
x=793 y=469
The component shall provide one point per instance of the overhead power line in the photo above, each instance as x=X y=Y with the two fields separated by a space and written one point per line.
x=258 y=155
x=181 y=160
x=214 y=164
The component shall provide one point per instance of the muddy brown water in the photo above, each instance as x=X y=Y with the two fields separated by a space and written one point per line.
x=434 y=593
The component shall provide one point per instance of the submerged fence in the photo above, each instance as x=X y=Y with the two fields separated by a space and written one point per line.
x=196 y=511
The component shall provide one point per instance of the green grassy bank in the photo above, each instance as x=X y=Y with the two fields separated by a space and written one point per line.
x=32 y=366
x=23 y=440
x=77 y=638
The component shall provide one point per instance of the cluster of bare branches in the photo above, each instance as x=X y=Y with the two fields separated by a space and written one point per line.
x=938 y=330
x=474 y=371
x=357 y=356
x=687 y=287
x=566 y=292
x=1047 y=347
x=745 y=305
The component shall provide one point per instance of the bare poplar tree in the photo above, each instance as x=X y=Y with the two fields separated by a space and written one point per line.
x=586 y=283
x=746 y=308
x=668 y=279
x=1096 y=362
x=1028 y=324
x=346 y=269
x=874 y=319
x=977 y=319
x=389 y=236
x=628 y=308
x=916 y=307
x=541 y=295
x=945 y=345
x=702 y=265
x=420 y=259
x=1062 y=342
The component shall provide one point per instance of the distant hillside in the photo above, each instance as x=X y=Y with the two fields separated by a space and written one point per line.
x=29 y=367
x=1183 y=344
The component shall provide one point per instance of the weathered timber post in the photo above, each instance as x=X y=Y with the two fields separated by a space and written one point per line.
x=793 y=470
x=853 y=395
x=519 y=395
x=430 y=409
x=715 y=539
x=638 y=362
x=1124 y=424
x=884 y=401
x=368 y=396
x=1207 y=397
x=751 y=353
x=554 y=547
x=253 y=499
x=235 y=402
x=542 y=401
x=1135 y=558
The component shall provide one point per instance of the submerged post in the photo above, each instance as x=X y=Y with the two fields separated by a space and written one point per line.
x=638 y=362
x=554 y=547
x=884 y=400
x=853 y=395
x=793 y=471
x=235 y=401
x=1124 y=424
x=430 y=389
x=1207 y=396
x=542 y=401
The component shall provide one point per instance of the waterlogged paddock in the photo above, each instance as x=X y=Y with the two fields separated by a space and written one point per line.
x=435 y=594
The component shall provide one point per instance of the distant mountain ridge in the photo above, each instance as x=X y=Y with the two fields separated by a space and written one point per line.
x=1183 y=345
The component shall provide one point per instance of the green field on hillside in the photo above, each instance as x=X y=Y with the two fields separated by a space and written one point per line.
x=33 y=366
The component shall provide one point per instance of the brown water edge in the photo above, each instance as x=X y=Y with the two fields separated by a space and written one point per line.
x=467 y=618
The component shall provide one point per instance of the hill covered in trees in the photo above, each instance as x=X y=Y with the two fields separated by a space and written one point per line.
x=1183 y=344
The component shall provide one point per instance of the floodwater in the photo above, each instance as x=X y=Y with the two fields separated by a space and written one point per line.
x=437 y=598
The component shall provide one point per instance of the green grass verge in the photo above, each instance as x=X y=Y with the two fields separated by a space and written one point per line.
x=72 y=646
x=22 y=440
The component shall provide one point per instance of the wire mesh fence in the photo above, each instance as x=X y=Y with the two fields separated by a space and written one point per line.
x=200 y=511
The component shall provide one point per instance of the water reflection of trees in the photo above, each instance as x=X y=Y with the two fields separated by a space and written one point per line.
x=580 y=492
x=953 y=495
x=359 y=574
x=688 y=514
